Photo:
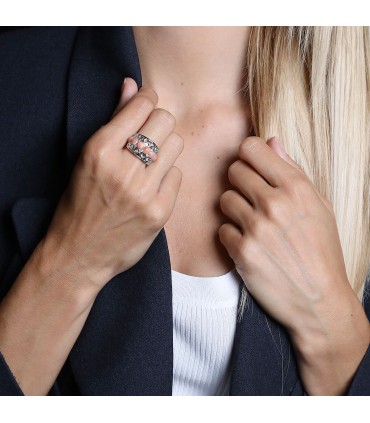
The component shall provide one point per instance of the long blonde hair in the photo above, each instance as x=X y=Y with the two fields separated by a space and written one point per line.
x=310 y=87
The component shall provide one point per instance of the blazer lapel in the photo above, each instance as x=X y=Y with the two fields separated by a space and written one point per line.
x=101 y=58
x=125 y=347
x=263 y=359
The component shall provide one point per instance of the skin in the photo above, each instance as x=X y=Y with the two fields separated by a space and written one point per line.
x=202 y=71
x=111 y=204
x=106 y=220
x=213 y=119
x=278 y=223
x=285 y=244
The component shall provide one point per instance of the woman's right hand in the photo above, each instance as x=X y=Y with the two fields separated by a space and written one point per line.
x=110 y=213
x=115 y=205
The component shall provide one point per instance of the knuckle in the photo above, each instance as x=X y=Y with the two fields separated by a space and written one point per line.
x=177 y=140
x=243 y=247
x=244 y=251
x=176 y=172
x=249 y=145
x=232 y=170
x=274 y=208
x=94 y=156
x=137 y=197
x=165 y=116
x=222 y=202
x=149 y=90
x=297 y=187
x=225 y=198
x=258 y=229
x=154 y=216
x=222 y=230
x=143 y=104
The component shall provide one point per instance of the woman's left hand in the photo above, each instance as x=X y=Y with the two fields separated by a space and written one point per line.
x=285 y=244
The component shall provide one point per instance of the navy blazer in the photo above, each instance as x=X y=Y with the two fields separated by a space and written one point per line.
x=57 y=87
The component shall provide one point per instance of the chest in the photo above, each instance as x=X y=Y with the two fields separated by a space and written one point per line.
x=192 y=229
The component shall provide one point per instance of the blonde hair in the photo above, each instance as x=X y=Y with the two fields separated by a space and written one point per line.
x=310 y=87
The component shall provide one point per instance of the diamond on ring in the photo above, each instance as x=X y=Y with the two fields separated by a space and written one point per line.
x=143 y=148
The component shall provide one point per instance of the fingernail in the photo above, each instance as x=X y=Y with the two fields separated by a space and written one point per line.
x=279 y=145
x=123 y=85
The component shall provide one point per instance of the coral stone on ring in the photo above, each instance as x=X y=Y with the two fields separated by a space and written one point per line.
x=143 y=148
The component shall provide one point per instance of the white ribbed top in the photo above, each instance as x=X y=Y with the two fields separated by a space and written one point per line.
x=204 y=321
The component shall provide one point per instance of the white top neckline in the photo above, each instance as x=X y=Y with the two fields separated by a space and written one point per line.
x=211 y=291
x=205 y=278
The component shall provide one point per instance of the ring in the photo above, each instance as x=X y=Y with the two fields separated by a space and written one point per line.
x=143 y=148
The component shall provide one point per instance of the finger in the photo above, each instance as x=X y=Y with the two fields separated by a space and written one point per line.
x=127 y=121
x=158 y=127
x=230 y=236
x=128 y=90
x=268 y=164
x=169 y=189
x=278 y=148
x=249 y=182
x=169 y=152
x=237 y=208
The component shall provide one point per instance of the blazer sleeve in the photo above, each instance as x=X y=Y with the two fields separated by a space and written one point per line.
x=65 y=383
x=8 y=384
x=361 y=382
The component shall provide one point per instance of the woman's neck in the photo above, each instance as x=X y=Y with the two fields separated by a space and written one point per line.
x=193 y=68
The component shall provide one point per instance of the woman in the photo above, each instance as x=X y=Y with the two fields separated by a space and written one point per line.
x=88 y=228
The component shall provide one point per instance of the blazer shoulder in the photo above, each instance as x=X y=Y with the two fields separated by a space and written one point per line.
x=33 y=57
x=27 y=36
x=34 y=66
x=29 y=47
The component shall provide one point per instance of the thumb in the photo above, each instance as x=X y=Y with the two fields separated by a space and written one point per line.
x=278 y=148
x=128 y=90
